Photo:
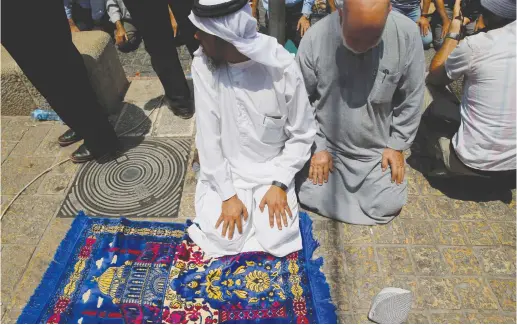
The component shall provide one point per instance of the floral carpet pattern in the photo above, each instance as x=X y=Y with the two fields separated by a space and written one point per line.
x=120 y=271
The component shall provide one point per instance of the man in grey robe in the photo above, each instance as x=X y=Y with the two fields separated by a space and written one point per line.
x=364 y=71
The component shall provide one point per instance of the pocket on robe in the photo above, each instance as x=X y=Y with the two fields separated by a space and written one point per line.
x=384 y=87
x=271 y=130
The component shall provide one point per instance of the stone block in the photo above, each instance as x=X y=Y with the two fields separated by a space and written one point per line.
x=498 y=261
x=450 y=233
x=504 y=289
x=475 y=294
x=170 y=125
x=394 y=260
x=14 y=261
x=16 y=99
x=104 y=69
x=479 y=233
x=418 y=232
x=438 y=293
x=19 y=97
x=28 y=218
x=391 y=233
x=462 y=261
x=360 y=261
x=428 y=261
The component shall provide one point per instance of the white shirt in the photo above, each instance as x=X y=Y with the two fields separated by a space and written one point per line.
x=254 y=124
x=486 y=137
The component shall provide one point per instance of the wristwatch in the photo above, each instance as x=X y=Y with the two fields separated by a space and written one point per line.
x=454 y=36
x=280 y=184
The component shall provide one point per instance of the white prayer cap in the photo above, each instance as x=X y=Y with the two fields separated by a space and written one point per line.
x=391 y=306
x=240 y=29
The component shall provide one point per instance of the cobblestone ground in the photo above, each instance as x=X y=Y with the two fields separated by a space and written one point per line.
x=453 y=245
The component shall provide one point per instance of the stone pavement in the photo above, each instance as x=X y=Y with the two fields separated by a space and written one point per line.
x=453 y=245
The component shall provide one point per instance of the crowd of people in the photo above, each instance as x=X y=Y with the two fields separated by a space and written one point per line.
x=325 y=129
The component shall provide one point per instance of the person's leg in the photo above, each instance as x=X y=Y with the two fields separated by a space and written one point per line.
x=274 y=241
x=414 y=15
x=436 y=26
x=58 y=73
x=292 y=16
x=82 y=17
x=379 y=198
x=208 y=210
x=151 y=18
x=442 y=103
x=181 y=10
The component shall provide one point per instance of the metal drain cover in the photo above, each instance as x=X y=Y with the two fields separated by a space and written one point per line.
x=146 y=181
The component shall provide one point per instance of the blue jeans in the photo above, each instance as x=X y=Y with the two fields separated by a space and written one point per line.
x=414 y=15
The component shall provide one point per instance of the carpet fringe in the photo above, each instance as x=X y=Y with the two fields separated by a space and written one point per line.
x=320 y=289
x=45 y=290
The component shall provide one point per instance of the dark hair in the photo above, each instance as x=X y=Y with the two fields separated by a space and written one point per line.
x=492 y=21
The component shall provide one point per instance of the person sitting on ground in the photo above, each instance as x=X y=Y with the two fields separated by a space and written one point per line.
x=482 y=141
x=441 y=18
x=127 y=37
x=297 y=17
x=84 y=15
x=255 y=128
x=364 y=70
x=412 y=10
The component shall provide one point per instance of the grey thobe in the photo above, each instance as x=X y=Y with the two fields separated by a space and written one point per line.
x=364 y=103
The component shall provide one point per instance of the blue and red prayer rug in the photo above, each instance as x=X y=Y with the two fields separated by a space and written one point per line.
x=121 y=271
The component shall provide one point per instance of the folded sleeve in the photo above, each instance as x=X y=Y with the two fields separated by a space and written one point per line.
x=113 y=10
x=304 y=58
x=458 y=62
x=300 y=127
x=68 y=8
x=214 y=167
x=406 y=115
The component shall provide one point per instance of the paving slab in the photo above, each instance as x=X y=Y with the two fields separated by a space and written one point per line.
x=7 y=147
x=19 y=171
x=137 y=119
x=28 y=217
x=31 y=140
x=170 y=125
x=14 y=259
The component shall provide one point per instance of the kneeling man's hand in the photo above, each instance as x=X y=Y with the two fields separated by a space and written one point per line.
x=395 y=159
x=231 y=213
x=276 y=201
x=321 y=164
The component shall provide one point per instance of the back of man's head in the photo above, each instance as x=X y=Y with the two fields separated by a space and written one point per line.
x=363 y=22
x=498 y=13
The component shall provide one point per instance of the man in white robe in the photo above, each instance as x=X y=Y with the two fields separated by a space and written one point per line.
x=255 y=129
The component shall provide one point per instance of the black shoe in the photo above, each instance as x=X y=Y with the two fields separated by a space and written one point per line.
x=182 y=108
x=81 y=155
x=68 y=138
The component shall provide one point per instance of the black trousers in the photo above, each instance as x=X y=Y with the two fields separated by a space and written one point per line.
x=54 y=66
x=151 y=18
x=292 y=16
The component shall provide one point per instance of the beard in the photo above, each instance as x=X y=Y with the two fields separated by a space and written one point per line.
x=213 y=63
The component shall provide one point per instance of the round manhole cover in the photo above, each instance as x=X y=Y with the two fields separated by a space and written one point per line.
x=146 y=181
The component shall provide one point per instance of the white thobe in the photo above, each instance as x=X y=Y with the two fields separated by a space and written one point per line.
x=255 y=125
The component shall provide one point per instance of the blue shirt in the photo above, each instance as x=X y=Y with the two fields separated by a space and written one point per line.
x=306 y=9
x=98 y=7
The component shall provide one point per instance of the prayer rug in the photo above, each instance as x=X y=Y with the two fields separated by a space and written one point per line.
x=122 y=271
